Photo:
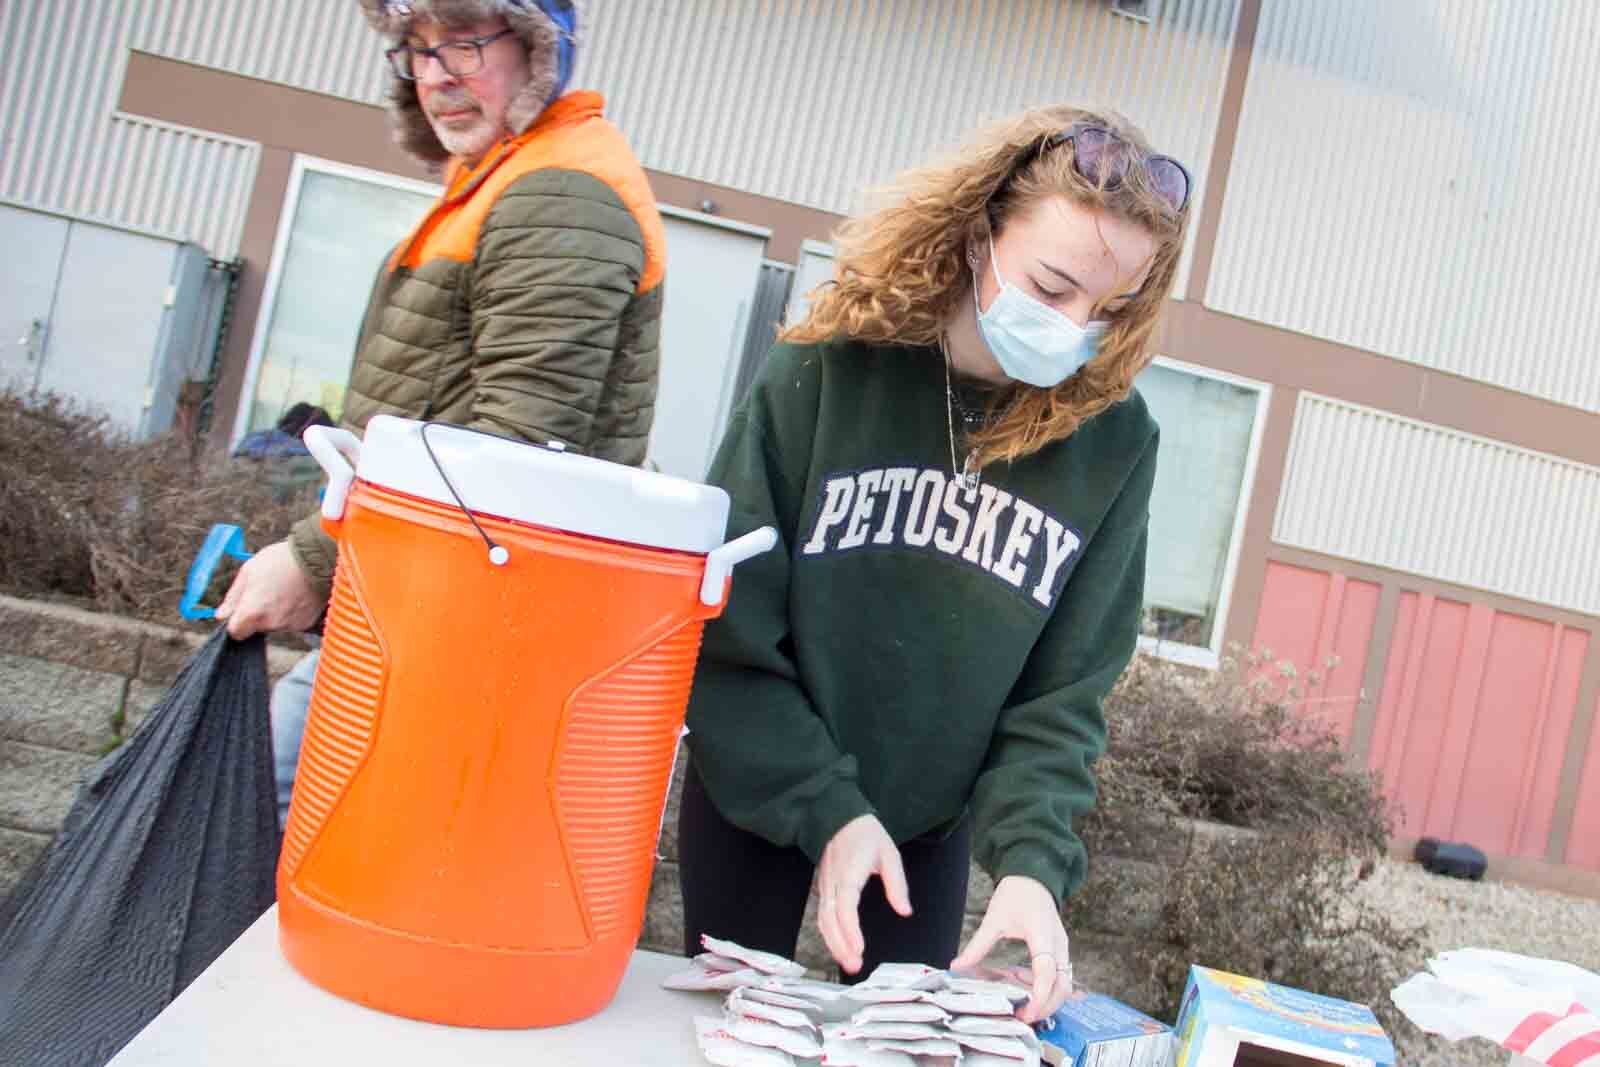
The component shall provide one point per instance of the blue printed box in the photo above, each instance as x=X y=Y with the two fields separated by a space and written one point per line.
x=1092 y=1029
x=1228 y=1020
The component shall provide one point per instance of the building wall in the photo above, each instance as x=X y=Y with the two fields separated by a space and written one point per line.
x=1375 y=236
x=804 y=102
x=1475 y=711
x=1366 y=485
x=67 y=149
x=1340 y=135
x=816 y=101
x=1405 y=182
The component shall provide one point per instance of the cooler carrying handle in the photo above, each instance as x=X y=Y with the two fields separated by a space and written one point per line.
x=721 y=561
x=337 y=452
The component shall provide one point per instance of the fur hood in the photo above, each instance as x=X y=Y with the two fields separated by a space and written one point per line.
x=547 y=28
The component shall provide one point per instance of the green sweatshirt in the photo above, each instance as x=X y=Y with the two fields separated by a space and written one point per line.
x=911 y=648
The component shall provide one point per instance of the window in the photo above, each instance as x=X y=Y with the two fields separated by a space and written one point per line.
x=338 y=224
x=1210 y=432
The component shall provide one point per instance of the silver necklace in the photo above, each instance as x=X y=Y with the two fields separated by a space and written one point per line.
x=967 y=475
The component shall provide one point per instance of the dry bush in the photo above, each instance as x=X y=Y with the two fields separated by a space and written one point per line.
x=50 y=488
x=1272 y=899
x=89 y=516
x=1234 y=746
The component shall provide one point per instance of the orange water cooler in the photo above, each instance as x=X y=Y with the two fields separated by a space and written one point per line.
x=504 y=674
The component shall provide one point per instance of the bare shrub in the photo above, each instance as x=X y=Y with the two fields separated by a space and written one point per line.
x=1273 y=898
x=89 y=516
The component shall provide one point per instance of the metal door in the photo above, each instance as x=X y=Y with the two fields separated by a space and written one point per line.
x=35 y=244
x=109 y=308
x=712 y=267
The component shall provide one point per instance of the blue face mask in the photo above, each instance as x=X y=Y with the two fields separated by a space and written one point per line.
x=1033 y=342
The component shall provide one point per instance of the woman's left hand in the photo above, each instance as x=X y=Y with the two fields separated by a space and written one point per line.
x=1023 y=909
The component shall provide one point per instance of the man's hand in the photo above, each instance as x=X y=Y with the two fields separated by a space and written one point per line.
x=862 y=848
x=269 y=593
x=1023 y=909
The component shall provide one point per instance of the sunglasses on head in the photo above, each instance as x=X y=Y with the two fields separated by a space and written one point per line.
x=1102 y=158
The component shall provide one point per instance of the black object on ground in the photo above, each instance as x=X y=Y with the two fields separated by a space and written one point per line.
x=1451 y=858
x=167 y=856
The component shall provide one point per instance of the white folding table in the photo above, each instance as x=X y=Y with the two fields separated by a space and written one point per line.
x=251 y=1009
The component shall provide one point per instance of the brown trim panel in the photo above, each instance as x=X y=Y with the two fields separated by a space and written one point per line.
x=1377 y=666
x=278 y=116
x=1583 y=726
x=1209 y=219
x=1250 y=578
x=255 y=248
x=790 y=223
x=1367 y=572
x=1285 y=358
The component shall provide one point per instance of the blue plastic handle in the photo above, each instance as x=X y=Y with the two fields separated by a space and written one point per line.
x=223 y=539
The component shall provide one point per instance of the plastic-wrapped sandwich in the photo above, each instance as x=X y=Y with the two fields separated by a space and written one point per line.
x=901 y=1015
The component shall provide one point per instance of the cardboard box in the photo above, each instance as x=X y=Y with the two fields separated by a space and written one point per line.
x=1230 y=1021
x=1093 y=1030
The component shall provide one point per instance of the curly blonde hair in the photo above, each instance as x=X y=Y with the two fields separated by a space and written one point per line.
x=900 y=270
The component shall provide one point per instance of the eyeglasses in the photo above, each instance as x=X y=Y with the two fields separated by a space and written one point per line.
x=1102 y=158
x=458 y=58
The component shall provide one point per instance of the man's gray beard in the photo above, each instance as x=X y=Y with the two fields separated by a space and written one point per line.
x=467 y=144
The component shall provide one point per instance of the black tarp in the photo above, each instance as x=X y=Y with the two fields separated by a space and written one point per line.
x=167 y=856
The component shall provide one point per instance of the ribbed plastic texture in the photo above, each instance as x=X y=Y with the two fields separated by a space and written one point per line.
x=1411 y=179
x=473 y=826
x=1423 y=499
x=613 y=770
x=344 y=710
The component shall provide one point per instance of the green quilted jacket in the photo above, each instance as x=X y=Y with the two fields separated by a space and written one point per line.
x=527 y=303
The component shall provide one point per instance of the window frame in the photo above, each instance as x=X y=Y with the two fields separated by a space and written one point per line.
x=303 y=165
x=1209 y=656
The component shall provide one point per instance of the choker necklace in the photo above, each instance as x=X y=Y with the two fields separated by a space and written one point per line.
x=968 y=475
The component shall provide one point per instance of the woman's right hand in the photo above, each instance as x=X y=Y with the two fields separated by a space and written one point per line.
x=862 y=848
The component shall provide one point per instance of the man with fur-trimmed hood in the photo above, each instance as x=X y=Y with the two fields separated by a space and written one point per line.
x=527 y=303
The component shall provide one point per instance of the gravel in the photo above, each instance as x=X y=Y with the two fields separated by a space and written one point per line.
x=1486 y=914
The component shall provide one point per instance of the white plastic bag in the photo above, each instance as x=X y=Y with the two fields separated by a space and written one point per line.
x=1545 y=1010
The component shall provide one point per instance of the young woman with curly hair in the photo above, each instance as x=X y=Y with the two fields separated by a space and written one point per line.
x=952 y=450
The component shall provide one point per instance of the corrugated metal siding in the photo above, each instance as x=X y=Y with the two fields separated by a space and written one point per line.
x=810 y=101
x=324 y=46
x=802 y=100
x=813 y=101
x=1411 y=179
x=175 y=180
x=64 y=150
x=1369 y=486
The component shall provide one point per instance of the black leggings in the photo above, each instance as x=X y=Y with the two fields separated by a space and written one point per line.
x=744 y=888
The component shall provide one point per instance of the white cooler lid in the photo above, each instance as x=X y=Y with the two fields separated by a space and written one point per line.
x=543 y=486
